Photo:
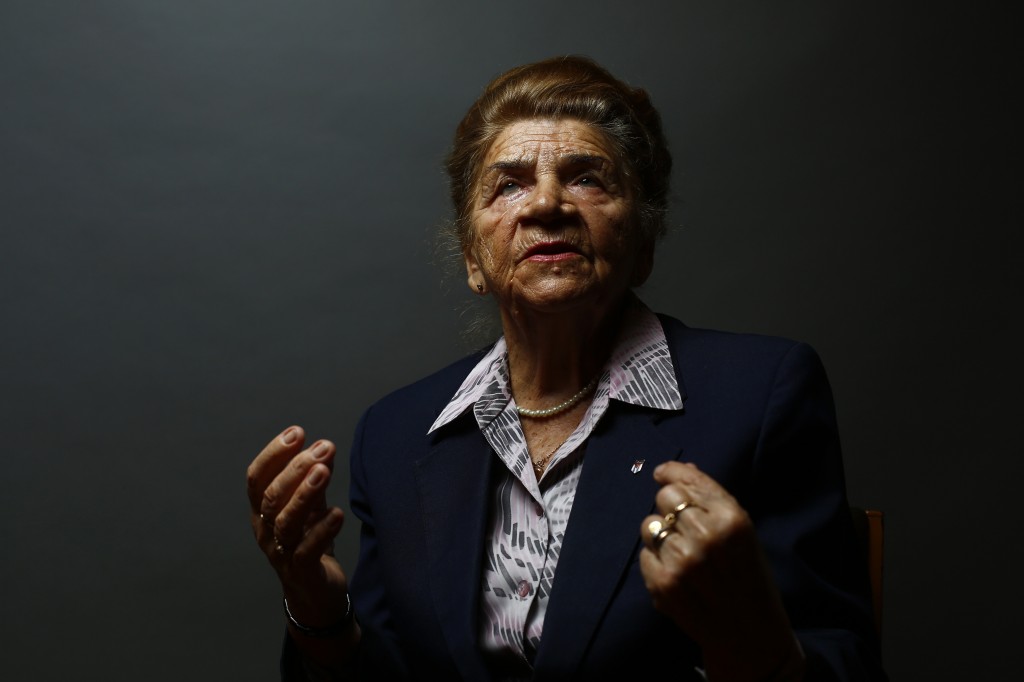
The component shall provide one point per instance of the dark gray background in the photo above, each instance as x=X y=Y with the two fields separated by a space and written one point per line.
x=217 y=219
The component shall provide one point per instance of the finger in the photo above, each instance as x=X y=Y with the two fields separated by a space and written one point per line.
x=686 y=484
x=280 y=490
x=684 y=473
x=671 y=544
x=270 y=462
x=719 y=535
x=682 y=551
x=280 y=531
x=276 y=536
x=682 y=507
x=666 y=566
x=650 y=568
x=665 y=579
x=304 y=507
x=319 y=540
x=654 y=531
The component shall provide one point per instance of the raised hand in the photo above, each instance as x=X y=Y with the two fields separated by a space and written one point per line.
x=295 y=528
x=704 y=568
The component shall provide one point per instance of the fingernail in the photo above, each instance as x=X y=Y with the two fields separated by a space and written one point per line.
x=316 y=477
x=289 y=436
x=321 y=450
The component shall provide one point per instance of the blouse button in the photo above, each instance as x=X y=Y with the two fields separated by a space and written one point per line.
x=524 y=589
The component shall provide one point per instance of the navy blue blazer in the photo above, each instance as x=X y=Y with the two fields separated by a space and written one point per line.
x=758 y=417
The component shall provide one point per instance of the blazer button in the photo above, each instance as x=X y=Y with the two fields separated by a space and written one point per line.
x=524 y=589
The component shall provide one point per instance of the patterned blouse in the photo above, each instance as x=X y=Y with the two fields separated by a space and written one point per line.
x=528 y=518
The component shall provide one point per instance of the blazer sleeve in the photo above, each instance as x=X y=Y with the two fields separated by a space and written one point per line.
x=798 y=504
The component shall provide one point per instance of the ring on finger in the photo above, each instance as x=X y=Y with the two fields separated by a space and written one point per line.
x=683 y=506
x=672 y=516
x=659 y=530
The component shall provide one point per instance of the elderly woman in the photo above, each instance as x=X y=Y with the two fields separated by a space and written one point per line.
x=603 y=491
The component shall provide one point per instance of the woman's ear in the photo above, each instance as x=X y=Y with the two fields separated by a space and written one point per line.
x=474 y=277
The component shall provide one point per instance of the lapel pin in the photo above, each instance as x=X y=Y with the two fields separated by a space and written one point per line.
x=637 y=466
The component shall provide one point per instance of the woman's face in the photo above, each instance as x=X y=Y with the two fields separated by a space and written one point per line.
x=553 y=224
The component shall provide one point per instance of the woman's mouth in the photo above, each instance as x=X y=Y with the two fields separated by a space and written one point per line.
x=547 y=252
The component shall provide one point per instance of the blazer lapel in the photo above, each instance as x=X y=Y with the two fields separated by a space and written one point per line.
x=454 y=487
x=603 y=535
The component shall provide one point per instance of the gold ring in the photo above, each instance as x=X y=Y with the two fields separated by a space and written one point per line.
x=682 y=506
x=673 y=515
x=659 y=530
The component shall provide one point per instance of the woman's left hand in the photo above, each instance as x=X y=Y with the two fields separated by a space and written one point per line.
x=709 y=575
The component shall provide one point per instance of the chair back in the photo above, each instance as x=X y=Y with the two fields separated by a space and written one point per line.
x=870 y=527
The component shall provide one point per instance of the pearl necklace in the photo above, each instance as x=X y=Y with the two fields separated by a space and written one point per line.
x=561 y=407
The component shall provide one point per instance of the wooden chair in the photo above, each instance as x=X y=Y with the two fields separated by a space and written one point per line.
x=870 y=527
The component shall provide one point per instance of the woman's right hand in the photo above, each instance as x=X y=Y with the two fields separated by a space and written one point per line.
x=296 y=529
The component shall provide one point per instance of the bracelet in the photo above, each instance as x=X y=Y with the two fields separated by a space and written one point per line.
x=330 y=630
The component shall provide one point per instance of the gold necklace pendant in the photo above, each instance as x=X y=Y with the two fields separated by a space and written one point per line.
x=540 y=465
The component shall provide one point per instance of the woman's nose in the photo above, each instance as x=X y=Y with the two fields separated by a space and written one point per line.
x=546 y=201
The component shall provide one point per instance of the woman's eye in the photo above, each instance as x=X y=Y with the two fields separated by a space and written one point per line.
x=508 y=188
x=588 y=181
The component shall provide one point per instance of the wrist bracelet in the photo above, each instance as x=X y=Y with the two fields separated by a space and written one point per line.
x=329 y=631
